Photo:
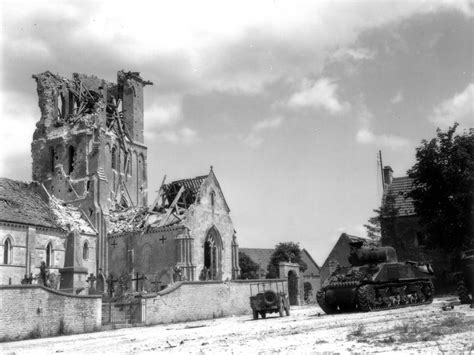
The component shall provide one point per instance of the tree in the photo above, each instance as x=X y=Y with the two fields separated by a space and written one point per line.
x=248 y=268
x=443 y=183
x=387 y=212
x=286 y=252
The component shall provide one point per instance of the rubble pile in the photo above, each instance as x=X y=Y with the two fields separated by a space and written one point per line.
x=69 y=217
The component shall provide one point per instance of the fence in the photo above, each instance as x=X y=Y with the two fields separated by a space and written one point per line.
x=123 y=313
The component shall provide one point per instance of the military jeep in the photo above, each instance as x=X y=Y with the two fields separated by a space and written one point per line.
x=269 y=297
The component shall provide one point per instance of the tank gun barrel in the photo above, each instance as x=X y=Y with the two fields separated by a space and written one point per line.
x=364 y=256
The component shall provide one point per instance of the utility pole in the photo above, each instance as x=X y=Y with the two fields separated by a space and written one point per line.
x=381 y=170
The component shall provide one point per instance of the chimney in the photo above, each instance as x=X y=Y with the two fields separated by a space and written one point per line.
x=387 y=175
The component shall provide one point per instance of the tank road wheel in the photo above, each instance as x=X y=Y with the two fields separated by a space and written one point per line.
x=321 y=298
x=255 y=314
x=428 y=291
x=366 y=298
x=463 y=293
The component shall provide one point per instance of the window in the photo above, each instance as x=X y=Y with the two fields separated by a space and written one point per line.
x=49 y=255
x=7 y=251
x=72 y=154
x=114 y=158
x=213 y=196
x=53 y=158
x=85 y=251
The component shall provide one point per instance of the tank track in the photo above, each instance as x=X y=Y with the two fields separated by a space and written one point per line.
x=377 y=297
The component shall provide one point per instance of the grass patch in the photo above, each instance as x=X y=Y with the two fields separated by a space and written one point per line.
x=34 y=334
x=357 y=330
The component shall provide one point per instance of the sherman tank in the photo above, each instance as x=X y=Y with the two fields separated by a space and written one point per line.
x=376 y=280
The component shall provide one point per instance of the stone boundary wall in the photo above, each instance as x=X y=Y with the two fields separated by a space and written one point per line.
x=32 y=311
x=189 y=301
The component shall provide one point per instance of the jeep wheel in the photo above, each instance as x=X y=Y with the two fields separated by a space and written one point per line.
x=255 y=314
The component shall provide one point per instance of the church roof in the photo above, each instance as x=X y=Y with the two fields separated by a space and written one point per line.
x=399 y=188
x=191 y=190
x=20 y=202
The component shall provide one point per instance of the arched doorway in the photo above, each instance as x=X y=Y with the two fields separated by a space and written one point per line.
x=292 y=288
x=213 y=255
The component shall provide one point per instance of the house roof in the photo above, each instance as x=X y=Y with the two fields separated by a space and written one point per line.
x=21 y=202
x=304 y=251
x=399 y=188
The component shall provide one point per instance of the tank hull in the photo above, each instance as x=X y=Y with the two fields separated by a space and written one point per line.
x=367 y=297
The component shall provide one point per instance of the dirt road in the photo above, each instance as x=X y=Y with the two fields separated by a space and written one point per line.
x=306 y=330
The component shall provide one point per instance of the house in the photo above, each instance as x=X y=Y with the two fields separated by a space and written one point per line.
x=401 y=230
x=33 y=229
x=339 y=255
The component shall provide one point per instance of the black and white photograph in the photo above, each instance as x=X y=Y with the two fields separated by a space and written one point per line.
x=236 y=177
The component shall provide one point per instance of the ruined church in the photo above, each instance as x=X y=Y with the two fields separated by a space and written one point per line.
x=90 y=164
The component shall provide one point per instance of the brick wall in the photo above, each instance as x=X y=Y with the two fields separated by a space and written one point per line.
x=188 y=301
x=28 y=309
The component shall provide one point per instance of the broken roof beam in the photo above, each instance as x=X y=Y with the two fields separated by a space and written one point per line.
x=172 y=207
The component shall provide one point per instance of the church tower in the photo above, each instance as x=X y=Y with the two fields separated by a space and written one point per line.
x=88 y=147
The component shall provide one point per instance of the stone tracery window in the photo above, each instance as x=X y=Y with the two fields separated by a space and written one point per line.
x=213 y=255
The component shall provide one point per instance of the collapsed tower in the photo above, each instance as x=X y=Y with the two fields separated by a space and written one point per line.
x=88 y=147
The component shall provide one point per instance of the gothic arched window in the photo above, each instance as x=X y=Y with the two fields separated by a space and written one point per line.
x=85 y=251
x=213 y=255
x=7 y=251
x=49 y=255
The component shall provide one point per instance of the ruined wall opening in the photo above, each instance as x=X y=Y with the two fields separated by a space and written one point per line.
x=114 y=158
x=52 y=156
x=61 y=105
x=71 y=158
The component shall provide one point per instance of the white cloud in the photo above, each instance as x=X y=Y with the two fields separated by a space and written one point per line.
x=163 y=113
x=17 y=127
x=397 y=98
x=268 y=123
x=254 y=138
x=459 y=108
x=183 y=135
x=320 y=94
x=365 y=136
x=356 y=54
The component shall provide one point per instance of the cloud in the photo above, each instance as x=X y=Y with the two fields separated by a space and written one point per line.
x=183 y=135
x=320 y=94
x=365 y=134
x=18 y=125
x=394 y=142
x=163 y=113
x=397 y=98
x=355 y=54
x=254 y=138
x=459 y=108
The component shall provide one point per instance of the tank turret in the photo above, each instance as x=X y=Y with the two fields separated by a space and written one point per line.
x=376 y=280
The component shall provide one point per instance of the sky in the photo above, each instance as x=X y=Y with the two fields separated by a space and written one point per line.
x=289 y=101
